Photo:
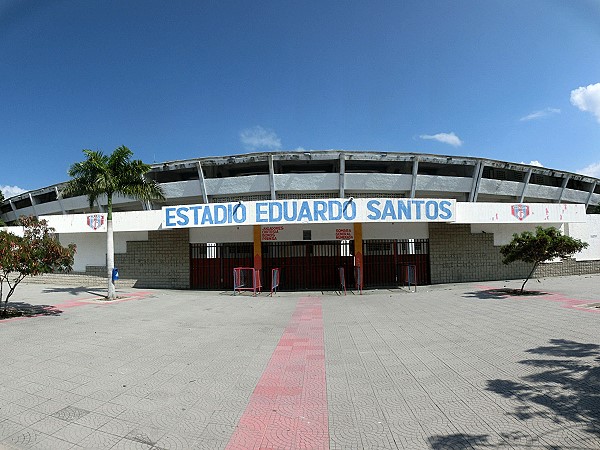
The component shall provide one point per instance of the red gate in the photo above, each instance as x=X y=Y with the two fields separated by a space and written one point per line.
x=385 y=262
x=310 y=265
x=211 y=265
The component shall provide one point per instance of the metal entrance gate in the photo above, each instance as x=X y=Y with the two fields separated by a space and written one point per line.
x=386 y=262
x=309 y=265
x=211 y=265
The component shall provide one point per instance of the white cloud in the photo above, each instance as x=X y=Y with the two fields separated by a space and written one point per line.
x=587 y=99
x=539 y=114
x=593 y=170
x=535 y=162
x=259 y=137
x=447 y=138
x=11 y=191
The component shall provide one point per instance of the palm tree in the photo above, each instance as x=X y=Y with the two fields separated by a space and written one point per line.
x=109 y=175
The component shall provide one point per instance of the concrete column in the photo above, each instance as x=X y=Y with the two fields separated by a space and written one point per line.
x=587 y=202
x=33 y=205
x=525 y=185
x=415 y=171
x=342 y=175
x=272 y=178
x=202 y=183
x=476 y=182
x=563 y=187
x=59 y=200
x=257 y=248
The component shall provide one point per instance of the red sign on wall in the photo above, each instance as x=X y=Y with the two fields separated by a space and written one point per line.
x=343 y=234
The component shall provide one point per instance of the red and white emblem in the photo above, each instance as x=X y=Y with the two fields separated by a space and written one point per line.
x=95 y=221
x=519 y=211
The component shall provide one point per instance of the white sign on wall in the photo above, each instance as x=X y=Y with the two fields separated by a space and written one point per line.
x=310 y=211
x=538 y=213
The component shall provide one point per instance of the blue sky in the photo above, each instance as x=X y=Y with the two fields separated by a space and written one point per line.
x=510 y=80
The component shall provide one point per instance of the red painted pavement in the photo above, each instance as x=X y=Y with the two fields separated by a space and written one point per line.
x=288 y=408
x=566 y=302
x=82 y=301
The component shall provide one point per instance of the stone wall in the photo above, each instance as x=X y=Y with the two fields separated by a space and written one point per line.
x=567 y=267
x=163 y=261
x=76 y=279
x=457 y=255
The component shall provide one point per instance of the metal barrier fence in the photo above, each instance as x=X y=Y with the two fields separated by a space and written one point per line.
x=358 y=279
x=342 y=276
x=246 y=279
x=274 y=280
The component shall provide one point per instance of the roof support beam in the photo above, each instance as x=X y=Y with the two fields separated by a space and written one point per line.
x=272 y=178
x=415 y=171
x=32 y=205
x=202 y=183
x=342 y=175
x=476 y=179
x=525 y=184
x=59 y=200
x=589 y=198
x=563 y=187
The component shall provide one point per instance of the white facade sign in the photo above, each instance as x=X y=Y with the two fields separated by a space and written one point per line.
x=310 y=211
x=338 y=212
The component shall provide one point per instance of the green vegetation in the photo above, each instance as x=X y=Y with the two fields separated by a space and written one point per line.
x=546 y=244
x=35 y=253
x=108 y=175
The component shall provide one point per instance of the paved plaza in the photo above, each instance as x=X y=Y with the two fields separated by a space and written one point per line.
x=462 y=366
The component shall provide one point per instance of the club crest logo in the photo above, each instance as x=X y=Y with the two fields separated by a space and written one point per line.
x=95 y=221
x=519 y=211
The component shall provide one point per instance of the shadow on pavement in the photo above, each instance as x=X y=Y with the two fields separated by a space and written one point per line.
x=23 y=309
x=459 y=441
x=562 y=389
x=74 y=291
x=501 y=293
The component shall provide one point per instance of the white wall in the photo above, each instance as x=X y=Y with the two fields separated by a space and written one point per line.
x=222 y=234
x=91 y=247
x=14 y=230
x=503 y=233
x=538 y=213
x=588 y=232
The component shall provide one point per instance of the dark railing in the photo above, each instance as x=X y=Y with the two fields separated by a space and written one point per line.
x=386 y=260
x=309 y=265
x=211 y=265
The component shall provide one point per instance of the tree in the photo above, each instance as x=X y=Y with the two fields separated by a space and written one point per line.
x=111 y=175
x=34 y=253
x=546 y=244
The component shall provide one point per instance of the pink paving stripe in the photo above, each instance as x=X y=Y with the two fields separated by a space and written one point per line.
x=288 y=408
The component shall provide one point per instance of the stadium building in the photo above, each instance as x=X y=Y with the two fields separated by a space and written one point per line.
x=386 y=218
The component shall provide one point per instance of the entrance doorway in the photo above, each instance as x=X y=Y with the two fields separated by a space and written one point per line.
x=387 y=262
x=310 y=265
x=211 y=265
